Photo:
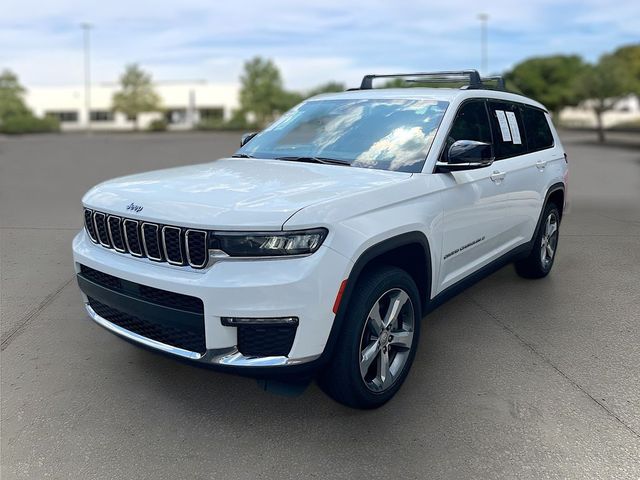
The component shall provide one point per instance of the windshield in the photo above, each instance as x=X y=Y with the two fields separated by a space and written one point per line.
x=387 y=134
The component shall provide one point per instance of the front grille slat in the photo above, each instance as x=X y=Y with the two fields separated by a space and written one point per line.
x=89 y=225
x=172 y=243
x=151 y=241
x=132 y=237
x=160 y=243
x=196 y=248
x=100 y=221
x=115 y=233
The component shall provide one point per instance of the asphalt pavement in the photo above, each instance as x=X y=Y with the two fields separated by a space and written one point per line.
x=513 y=379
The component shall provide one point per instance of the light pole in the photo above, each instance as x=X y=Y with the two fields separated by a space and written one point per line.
x=484 y=50
x=86 y=29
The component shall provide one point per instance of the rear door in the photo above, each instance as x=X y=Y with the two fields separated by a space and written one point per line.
x=475 y=203
x=520 y=140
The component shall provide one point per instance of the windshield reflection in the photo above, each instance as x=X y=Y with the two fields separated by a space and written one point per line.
x=383 y=134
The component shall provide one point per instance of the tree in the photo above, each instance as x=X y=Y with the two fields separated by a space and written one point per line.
x=629 y=55
x=137 y=94
x=11 y=97
x=261 y=91
x=550 y=80
x=602 y=85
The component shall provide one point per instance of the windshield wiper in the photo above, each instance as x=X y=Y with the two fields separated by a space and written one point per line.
x=242 y=155
x=324 y=160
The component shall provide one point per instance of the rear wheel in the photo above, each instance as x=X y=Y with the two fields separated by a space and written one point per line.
x=378 y=342
x=539 y=262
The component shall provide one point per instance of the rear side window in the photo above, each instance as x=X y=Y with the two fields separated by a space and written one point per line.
x=508 y=131
x=471 y=123
x=539 y=134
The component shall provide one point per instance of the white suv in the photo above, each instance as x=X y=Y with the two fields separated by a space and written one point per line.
x=315 y=251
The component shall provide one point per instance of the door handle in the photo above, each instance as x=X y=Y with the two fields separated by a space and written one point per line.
x=540 y=164
x=497 y=176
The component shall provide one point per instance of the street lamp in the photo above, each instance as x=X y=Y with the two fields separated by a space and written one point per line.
x=86 y=29
x=484 y=51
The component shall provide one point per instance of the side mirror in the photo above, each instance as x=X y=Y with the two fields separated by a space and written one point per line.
x=246 y=137
x=467 y=155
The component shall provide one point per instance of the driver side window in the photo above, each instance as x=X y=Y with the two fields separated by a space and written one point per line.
x=471 y=123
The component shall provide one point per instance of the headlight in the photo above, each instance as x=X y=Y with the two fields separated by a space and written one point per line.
x=301 y=242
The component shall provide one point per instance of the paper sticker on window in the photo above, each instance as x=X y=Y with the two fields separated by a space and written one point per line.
x=504 y=126
x=513 y=125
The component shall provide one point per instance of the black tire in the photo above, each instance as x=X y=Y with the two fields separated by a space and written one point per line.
x=535 y=266
x=342 y=379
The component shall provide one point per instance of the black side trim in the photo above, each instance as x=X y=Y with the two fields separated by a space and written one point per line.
x=367 y=256
x=450 y=292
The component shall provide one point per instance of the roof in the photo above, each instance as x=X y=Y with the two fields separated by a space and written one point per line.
x=450 y=95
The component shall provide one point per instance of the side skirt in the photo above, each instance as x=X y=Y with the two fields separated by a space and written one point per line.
x=517 y=253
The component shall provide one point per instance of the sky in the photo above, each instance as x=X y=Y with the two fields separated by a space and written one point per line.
x=311 y=42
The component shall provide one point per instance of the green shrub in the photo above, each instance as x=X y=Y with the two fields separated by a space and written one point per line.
x=211 y=124
x=235 y=123
x=159 y=125
x=29 y=124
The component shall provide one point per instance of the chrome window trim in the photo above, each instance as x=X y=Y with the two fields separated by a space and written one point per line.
x=164 y=245
x=144 y=241
x=91 y=212
x=206 y=249
x=109 y=217
x=95 y=225
x=126 y=237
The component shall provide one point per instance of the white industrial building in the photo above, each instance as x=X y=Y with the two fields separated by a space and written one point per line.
x=184 y=104
x=625 y=110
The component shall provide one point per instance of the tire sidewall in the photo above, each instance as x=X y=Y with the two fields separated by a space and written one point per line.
x=358 y=314
x=551 y=208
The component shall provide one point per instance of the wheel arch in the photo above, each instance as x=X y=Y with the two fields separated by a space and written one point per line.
x=399 y=251
x=556 y=194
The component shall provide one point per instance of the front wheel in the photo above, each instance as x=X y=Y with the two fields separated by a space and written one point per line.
x=378 y=341
x=539 y=262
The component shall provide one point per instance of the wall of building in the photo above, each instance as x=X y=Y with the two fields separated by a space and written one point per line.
x=625 y=110
x=184 y=104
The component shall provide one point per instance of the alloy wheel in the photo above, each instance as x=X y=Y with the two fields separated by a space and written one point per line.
x=549 y=240
x=387 y=338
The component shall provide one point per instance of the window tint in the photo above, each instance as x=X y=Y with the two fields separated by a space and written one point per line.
x=471 y=123
x=508 y=132
x=539 y=134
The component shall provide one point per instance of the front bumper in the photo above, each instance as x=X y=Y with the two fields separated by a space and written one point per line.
x=303 y=287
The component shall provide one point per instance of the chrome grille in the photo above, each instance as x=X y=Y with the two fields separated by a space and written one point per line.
x=132 y=237
x=196 y=247
x=115 y=233
x=172 y=241
x=100 y=221
x=89 y=226
x=160 y=243
x=151 y=241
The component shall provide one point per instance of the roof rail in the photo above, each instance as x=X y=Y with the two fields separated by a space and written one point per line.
x=499 y=79
x=471 y=78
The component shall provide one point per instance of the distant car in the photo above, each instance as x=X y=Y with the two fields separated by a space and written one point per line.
x=317 y=248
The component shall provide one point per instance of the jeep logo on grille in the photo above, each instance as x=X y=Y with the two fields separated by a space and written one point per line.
x=134 y=207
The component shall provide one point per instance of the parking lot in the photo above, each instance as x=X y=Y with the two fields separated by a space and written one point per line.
x=513 y=378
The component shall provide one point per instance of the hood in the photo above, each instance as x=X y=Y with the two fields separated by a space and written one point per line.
x=232 y=193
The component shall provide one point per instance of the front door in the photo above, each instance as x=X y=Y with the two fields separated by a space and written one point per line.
x=476 y=216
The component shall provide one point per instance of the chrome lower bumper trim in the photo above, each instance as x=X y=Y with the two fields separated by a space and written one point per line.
x=225 y=357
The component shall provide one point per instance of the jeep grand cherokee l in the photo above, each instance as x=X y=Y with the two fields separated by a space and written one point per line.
x=316 y=250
